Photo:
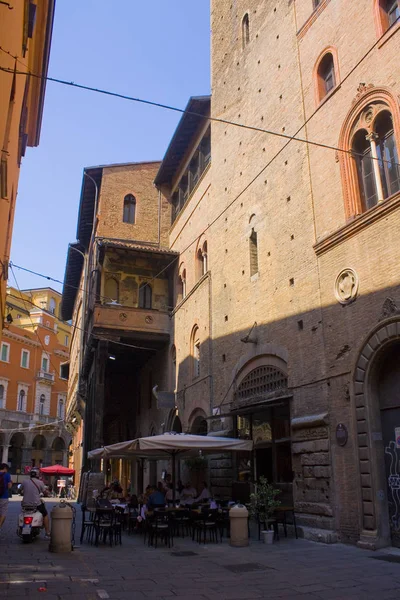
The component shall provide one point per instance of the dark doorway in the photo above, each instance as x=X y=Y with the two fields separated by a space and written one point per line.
x=389 y=402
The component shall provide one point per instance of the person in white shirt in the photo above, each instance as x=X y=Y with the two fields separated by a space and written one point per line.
x=188 y=494
x=205 y=493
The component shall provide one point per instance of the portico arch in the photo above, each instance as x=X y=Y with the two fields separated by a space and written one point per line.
x=377 y=415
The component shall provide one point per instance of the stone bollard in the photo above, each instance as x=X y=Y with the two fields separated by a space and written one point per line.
x=238 y=516
x=61 y=521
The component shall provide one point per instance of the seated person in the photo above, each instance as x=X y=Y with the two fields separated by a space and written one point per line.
x=188 y=494
x=205 y=493
x=157 y=498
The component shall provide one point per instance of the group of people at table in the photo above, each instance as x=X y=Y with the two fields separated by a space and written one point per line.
x=160 y=496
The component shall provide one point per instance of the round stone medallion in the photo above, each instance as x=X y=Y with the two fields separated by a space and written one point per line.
x=346 y=286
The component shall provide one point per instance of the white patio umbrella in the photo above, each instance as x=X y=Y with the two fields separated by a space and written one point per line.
x=172 y=444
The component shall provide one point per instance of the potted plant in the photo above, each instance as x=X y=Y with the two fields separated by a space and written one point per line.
x=263 y=503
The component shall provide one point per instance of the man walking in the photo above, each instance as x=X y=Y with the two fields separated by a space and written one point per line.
x=5 y=486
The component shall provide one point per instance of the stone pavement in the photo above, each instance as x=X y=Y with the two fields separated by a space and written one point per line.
x=288 y=569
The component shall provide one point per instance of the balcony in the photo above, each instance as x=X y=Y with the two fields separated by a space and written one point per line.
x=45 y=376
x=139 y=323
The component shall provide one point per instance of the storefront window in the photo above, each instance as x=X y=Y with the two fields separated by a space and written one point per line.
x=272 y=456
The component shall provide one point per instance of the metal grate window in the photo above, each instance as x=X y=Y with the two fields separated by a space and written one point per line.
x=262 y=380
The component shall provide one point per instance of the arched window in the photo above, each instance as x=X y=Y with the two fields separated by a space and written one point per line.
x=376 y=157
x=21 y=400
x=253 y=249
x=129 y=209
x=52 y=306
x=387 y=13
x=325 y=73
x=145 y=295
x=195 y=352
x=1 y=396
x=111 y=290
x=42 y=402
x=182 y=286
x=201 y=261
x=370 y=136
x=245 y=30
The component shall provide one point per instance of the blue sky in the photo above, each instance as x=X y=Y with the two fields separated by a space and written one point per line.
x=155 y=50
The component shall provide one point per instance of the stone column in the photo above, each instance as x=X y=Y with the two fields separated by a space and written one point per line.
x=372 y=137
x=4 y=457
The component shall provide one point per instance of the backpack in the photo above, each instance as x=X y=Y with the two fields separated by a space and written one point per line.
x=2 y=485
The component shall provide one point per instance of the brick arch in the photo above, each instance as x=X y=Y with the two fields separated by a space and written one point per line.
x=378 y=340
x=367 y=95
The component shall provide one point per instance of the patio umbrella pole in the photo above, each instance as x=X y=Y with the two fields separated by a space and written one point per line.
x=173 y=476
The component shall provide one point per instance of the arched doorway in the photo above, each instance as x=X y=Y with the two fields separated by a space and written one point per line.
x=377 y=414
x=176 y=425
x=58 y=450
x=199 y=426
x=262 y=409
x=38 y=448
x=15 y=452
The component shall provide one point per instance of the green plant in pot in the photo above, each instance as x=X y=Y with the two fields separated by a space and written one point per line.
x=264 y=501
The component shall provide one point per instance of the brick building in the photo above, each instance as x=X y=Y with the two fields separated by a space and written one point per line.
x=284 y=289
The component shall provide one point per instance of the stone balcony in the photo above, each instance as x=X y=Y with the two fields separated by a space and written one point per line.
x=45 y=376
x=139 y=323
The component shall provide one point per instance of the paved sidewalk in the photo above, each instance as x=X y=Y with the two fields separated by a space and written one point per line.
x=288 y=569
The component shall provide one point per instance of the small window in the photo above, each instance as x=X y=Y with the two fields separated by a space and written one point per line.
x=61 y=408
x=45 y=364
x=64 y=371
x=326 y=75
x=66 y=340
x=21 y=400
x=25 y=359
x=245 y=30
x=253 y=246
x=145 y=295
x=182 y=286
x=392 y=10
x=1 y=396
x=5 y=352
x=129 y=209
x=42 y=403
x=52 y=306
x=195 y=351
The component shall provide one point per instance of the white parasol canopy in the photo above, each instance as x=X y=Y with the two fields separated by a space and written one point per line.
x=171 y=443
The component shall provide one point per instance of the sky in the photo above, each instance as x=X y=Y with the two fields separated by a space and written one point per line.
x=155 y=50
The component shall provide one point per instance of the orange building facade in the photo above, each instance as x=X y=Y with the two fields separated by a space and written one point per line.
x=33 y=386
x=25 y=38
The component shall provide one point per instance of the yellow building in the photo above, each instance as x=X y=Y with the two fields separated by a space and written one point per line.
x=25 y=38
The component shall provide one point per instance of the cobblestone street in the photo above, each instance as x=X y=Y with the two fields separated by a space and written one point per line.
x=288 y=569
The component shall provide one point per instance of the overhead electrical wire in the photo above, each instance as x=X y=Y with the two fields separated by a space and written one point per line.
x=33 y=325
x=288 y=137
x=97 y=337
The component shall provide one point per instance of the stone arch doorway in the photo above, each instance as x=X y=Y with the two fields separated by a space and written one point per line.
x=199 y=425
x=38 y=449
x=261 y=409
x=17 y=442
x=377 y=408
x=58 y=451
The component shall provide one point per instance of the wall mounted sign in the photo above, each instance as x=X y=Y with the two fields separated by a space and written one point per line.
x=341 y=434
